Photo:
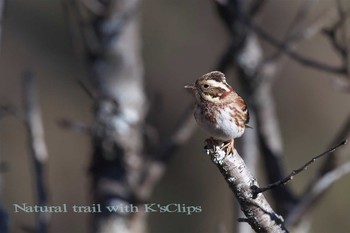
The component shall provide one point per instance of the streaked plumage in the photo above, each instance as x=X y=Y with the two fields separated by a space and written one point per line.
x=219 y=110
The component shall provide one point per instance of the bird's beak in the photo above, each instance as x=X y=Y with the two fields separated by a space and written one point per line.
x=191 y=87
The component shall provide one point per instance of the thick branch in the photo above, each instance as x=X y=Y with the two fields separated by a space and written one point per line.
x=258 y=212
x=110 y=31
x=249 y=148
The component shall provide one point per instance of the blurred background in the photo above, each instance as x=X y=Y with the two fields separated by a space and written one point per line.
x=181 y=41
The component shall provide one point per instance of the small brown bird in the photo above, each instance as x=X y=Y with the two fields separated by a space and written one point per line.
x=219 y=110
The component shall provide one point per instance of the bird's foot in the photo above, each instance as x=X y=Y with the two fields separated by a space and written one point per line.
x=229 y=146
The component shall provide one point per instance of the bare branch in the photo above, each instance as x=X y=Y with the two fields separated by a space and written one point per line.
x=302 y=13
x=256 y=76
x=37 y=145
x=258 y=212
x=294 y=37
x=155 y=168
x=75 y=126
x=89 y=92
x=340 y=70
x=307 y=202
x=257 y=190
x=111 y=38
x=179 y=137
x=256 y=7
x=249 y=148
x=317 y=190
x=332 y=163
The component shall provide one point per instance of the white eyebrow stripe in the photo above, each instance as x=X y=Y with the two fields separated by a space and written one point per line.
x=217 y=84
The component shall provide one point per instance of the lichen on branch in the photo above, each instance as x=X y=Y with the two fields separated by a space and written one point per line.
x=259 y=214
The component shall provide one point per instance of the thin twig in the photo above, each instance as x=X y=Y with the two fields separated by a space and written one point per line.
x=294 y=37
x=37 y=146
x=256 y=190
x=303 y=11
x=75 y=126
x=296 y=56
x=307 y=202
x=6 y=110
x=89 y=92
x=332 y=163
x=320 y=186
x=256 y=6
x=155 y=168
x=180 y=136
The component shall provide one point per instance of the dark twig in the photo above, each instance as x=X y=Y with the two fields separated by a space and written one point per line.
x=333 y=31
x=179 y=137
x=75 y=126
x=7 y=111
x=310 y=197
x=296 y=56
x=332 y=163
x=294 y=37
x=256 y=6
x=319 y=187
x=89 y=92
x=256 y=190
x=243 y=220
x=303 y=11
x=35 y=128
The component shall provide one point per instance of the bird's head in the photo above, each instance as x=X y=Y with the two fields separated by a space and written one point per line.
x=211 y=87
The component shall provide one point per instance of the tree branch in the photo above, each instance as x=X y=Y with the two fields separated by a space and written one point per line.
x=256 y=78
x=319 y=187
x=35 y=128
x=258 y=212
x=299 y=34
x=110 y=33
x=155 y=168
x=257 y=190
x=307 y=202
x=340 y=70
x=249 y=148
x=75 y=126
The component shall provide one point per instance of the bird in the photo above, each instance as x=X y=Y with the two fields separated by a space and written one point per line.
x=219 y=110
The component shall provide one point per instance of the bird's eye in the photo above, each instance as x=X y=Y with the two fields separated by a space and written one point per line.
x=205 y=86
